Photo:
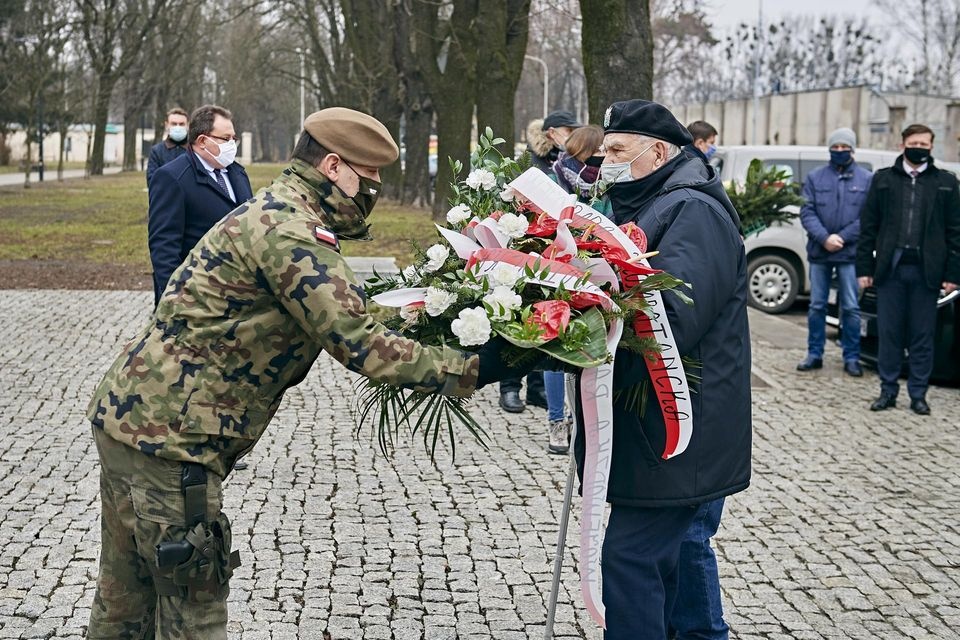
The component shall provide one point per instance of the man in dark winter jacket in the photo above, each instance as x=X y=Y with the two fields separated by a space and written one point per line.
x=681 y=206
x=172 y=146
x=909 y=249
x=833 y=195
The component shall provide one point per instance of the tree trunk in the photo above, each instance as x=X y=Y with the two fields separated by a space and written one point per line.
x=416 y=172
x=414 y=97
x=101 y=111
x=617 y=45
x=130 y=142
x=29 y=160
x=454 y=122
x=503 y=27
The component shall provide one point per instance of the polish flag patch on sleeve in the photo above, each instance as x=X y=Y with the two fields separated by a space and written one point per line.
x=327 y=236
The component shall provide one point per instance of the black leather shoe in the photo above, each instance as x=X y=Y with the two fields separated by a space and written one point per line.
x=537 y=400
x=810 y=363
x=884 y=402
x=853 y=368
x=920 y=407
x=240 y=466
x=510 y=402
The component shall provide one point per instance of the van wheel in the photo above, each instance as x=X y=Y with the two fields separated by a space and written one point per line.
x=773 y=283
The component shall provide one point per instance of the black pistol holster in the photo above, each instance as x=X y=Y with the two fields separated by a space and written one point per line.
x=199 y=566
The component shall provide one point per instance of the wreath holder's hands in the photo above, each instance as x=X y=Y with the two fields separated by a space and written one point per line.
x=494 y=369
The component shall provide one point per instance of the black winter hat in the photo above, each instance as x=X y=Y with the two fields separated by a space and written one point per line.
x=560 y=119
x=645 y=118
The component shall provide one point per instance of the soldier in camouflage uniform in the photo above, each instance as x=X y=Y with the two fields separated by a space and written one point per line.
x=242 y=319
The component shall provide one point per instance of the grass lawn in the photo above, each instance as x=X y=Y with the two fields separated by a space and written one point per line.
x=104 y=220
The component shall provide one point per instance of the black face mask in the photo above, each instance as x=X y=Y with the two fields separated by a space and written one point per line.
x=367 y=196
x=593 y=161
x=916 y=155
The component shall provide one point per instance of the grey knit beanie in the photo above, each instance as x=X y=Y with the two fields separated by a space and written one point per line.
x=843 y=135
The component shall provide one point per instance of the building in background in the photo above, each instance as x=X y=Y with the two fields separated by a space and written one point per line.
x=79 y=139
x=806 y=117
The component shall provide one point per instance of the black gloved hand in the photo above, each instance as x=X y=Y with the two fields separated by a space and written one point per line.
x=493 y=368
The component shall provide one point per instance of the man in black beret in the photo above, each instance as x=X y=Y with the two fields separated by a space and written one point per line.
x=657 y=559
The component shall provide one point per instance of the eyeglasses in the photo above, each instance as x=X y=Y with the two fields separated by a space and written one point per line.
x=224 y=138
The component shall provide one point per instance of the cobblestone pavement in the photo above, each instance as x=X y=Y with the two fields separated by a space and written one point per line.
x=850 y=529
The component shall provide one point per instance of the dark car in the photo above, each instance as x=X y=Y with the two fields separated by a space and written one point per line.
x=946 y=341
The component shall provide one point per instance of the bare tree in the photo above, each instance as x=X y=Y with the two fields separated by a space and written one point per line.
x=113 y=32
x=445 y=36
x=38 y=36
x=683 y=43
x=932 y=29
x=617 y=52
x=417 y=107
x=503 y=27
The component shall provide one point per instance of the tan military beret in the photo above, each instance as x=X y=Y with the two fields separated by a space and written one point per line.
x=354 y=136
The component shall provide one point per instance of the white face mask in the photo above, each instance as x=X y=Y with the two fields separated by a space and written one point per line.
x=178 y=133
x=228 y=153
x=620 y=171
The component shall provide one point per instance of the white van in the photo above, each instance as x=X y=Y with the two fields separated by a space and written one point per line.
x=777 y=256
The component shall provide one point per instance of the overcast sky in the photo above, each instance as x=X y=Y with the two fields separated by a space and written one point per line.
x=726 y=14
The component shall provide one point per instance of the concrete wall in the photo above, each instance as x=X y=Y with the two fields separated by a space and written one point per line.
x=807 y=118
x=80 y=138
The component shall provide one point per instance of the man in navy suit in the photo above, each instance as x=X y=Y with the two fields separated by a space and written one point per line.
x=190 y=194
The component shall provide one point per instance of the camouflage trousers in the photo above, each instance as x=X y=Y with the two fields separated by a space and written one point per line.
x=143 y=505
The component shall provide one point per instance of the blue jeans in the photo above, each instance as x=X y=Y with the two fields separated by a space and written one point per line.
x=697 y=612
x=553 y=385
x=820 y=276
x=639 y=567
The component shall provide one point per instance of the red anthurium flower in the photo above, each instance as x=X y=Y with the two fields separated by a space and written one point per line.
x=551 y=316
x=636 y=234
x=543 y=226
x=584 y=300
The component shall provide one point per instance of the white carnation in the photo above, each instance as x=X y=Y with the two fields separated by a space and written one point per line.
x=436 y=301
x=503 y=275
x=410 y=273
x=436 y=256
x=459 y=214
x=512 y=225
x=504 y=302
x=410 y=313
x=508 y=194
x=472 y=327
x=482 y=179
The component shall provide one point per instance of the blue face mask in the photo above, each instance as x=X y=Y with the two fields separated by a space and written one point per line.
x=841 y=158
x=712 y=149
x=178 y=133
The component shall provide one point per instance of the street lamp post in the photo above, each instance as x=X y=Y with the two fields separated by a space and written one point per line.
x=756 y=70
x=546 y=83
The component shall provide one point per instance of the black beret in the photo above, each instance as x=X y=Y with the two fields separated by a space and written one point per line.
x=560 y=119
x=645 y=118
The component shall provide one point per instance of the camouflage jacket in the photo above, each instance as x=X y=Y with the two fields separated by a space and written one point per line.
x=242 y=319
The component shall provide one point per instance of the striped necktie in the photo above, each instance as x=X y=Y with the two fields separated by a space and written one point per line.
x=222 y=181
